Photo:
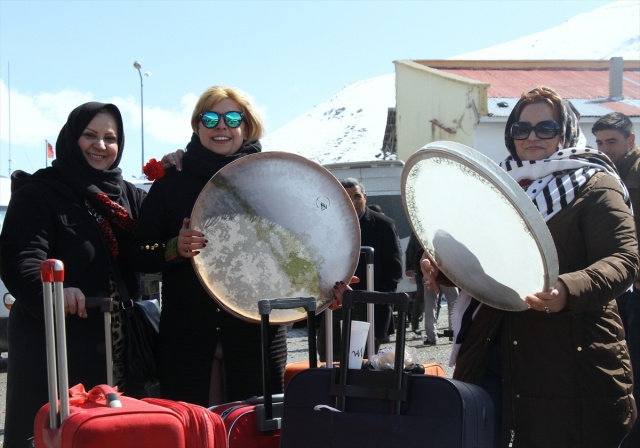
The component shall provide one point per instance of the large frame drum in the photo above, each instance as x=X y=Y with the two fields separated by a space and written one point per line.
x=478 y=225
x=278 y=226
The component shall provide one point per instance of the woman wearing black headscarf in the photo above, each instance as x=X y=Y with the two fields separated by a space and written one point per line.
x=559 y=373
x=82 y=212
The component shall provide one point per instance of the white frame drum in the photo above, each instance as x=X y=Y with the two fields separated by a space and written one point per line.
x=478 y=225
x=278 y=226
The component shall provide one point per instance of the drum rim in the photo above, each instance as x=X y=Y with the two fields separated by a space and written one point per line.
x=353 y=244
x=511 y=191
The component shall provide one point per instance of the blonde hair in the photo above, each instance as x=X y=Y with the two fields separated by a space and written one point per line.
x=253 y=122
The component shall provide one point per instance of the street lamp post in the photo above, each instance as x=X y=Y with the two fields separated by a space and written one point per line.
x=138 y=66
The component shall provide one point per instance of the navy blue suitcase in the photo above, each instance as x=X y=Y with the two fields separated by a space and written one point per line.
x=365 y=408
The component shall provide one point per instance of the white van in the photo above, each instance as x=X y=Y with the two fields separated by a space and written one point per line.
x=381 y=180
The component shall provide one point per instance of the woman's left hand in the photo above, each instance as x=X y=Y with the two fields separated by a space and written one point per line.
x=429 y=273
x=549 y=302
x=338 y=289
x=190 y=242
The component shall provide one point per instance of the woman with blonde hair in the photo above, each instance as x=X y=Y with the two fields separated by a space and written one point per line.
x=206 y=355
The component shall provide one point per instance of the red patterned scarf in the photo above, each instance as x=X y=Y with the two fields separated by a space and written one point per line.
x=106 y=212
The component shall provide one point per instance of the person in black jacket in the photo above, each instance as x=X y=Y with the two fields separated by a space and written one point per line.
x=206 y=355
x=82 y=212
x=378 y=231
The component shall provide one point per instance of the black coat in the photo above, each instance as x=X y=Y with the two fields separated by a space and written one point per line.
x=46 y=219
x=377 y=230
x=192 y=323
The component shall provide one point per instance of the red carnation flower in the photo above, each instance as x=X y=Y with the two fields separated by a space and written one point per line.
x=153 y=169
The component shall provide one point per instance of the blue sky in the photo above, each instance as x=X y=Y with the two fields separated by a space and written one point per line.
x=288 y=55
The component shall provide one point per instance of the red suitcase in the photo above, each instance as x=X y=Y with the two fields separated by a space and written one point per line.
x=100 y=417
x=255 y=423
x=203 y=429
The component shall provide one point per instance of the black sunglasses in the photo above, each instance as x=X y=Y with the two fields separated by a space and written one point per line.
x=544 y=130
x=210 y=119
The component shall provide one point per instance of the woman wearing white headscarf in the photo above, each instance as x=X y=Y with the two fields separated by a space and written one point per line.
x=559 y=373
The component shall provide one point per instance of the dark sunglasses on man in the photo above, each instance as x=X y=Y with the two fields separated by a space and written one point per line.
x=520 y=130
x=210 y=119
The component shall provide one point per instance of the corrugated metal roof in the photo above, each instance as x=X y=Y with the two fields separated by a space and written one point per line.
x=586 y=84
x=501 y=107
x=588 y=89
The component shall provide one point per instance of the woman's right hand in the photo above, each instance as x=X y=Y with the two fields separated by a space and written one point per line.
x=74 y=302
x=174 y=158
x=429 y=273
x=190 y=242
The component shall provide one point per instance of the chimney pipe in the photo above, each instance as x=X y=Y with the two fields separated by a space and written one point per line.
x=616 y=70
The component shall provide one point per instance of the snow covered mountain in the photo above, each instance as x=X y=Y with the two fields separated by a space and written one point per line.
x=350 y=126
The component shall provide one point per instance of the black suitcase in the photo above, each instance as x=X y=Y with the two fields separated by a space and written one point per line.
x=365 y=408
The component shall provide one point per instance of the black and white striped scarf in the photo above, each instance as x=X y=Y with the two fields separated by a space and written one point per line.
x=551 y=184
x=554 y=182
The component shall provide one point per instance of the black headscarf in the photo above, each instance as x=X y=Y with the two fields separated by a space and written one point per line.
x=569 y=128
x=81 y=176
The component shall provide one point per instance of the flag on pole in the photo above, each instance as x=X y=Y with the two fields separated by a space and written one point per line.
x=49 y=150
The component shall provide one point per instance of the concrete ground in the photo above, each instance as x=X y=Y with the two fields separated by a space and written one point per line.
x=298 y=348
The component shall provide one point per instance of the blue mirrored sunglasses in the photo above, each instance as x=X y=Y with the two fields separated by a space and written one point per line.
x=210 y=119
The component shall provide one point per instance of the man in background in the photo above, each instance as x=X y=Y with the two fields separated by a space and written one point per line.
x=615 y=137
x=378 y=231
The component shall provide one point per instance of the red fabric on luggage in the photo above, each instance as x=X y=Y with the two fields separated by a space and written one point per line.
x=241 y=424
x=203 y=429
x=94 y=424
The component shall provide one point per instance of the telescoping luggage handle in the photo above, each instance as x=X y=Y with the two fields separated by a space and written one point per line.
x=52 y=276
x=401 y=303
x=368 y=253
x=264 y=307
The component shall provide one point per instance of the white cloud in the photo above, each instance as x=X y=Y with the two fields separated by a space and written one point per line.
x=35 y=118
x=348 y=126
